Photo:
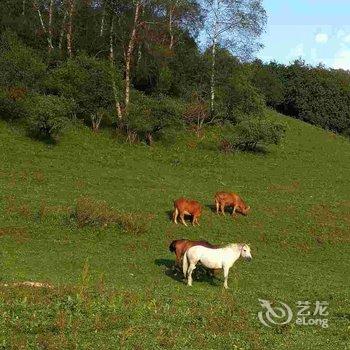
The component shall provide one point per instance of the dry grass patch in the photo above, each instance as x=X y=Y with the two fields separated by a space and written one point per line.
x=90 y=212
x=289 y=188
x=14 y=207
x=19 y=234
x=331 y=223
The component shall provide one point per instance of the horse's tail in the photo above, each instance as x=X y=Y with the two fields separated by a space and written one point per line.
x=185 y=264
x=172 y=246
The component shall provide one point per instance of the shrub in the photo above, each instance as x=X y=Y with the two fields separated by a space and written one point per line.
x=239 y=99
x=149 y=117
x=197 y=113
x=47 y=115
x=89 y=82
x=89 y=212
x=251 y=134
x=11 y=106
x=20 y=66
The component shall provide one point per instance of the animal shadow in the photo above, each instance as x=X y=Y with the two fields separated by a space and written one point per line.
x=171 y=270
x=200 y=274
x=212 y=208
x=169 y=214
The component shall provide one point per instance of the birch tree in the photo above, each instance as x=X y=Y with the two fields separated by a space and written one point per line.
x=235 y=25
x=47 y=30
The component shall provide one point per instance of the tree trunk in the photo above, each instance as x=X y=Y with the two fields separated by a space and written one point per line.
x=49 y=42
x=129 y=54
x=70 y=28
x=171 y=33
x=103 y=20
x=212 y=78
x=23 y=7
x=63 y=28
x=50 y=26
x=149 y=139
x=111 y=60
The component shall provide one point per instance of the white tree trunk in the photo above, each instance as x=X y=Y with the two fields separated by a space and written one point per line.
x=63 y=28
x=50 y=26
x=129 y=54
x=212 y=78
x=111 y=60
x=171 y=33
x=70 y=28
x=103 y=21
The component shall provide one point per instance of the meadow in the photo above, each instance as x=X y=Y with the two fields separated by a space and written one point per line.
x=114 y=287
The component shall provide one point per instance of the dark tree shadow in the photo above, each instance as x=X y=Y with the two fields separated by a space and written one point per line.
x=200 y=274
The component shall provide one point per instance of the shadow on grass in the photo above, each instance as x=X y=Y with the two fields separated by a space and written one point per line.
x=212 y=208
x=200 y=274
x=169 y=214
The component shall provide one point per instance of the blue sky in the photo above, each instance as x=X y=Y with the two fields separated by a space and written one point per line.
x=315 y=30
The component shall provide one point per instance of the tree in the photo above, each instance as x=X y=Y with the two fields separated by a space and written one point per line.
x=232 y=24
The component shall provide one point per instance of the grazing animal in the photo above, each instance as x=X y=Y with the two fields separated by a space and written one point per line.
x=223 y=199
x=180 y=246
x=183 y=206
x=221 y=258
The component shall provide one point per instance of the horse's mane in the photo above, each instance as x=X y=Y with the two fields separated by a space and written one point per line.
x=239 y=245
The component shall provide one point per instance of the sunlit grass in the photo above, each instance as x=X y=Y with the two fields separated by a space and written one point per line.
x=113 y=288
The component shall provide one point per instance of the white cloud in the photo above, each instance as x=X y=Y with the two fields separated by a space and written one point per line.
x=342 y=59
x=340 y=33
x=346 y=38
x=321 y=38
x=297 y=51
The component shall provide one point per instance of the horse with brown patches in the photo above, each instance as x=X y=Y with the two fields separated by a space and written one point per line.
x=180 y=246
x=183 y=206
x=224 y=199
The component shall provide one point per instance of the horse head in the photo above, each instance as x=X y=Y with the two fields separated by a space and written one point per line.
x=245 y=252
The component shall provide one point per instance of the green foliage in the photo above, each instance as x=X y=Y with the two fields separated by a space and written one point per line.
x=20 y=66
x=11 y=106
x=255 y=133
x=89 y=82
x=237 y=98
x=315 y=95
x=47 y=115
x=266 y=79
x=149 y=117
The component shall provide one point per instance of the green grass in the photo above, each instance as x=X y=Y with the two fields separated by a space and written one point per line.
x=114 y=289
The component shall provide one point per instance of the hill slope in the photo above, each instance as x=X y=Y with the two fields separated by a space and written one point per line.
x=114 y=287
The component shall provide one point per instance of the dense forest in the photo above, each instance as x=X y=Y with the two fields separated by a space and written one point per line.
x=146 y=67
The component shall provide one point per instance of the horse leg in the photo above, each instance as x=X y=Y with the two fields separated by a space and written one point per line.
x=182 y=218
x=234 y=210
x=222 y=207
x=217 y=207
x=189 y=274
x=175 y=215
x=178 y=259
x=226 y=270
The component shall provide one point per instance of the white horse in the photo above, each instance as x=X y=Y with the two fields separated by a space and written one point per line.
x=219 y=258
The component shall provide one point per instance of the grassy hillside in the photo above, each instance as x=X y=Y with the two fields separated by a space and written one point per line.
x=116 y=289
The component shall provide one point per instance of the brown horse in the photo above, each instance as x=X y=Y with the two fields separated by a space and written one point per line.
x=180 y=246
x=224 y=199
x=183 y=206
